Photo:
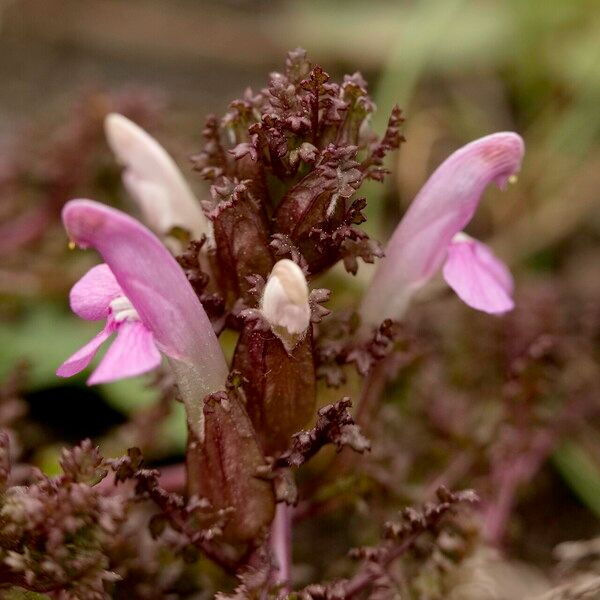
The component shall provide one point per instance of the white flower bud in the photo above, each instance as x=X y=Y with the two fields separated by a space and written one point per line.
x=153 y=179
x=285 y=304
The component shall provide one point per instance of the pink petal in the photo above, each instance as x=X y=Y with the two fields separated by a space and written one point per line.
x=442 y=208
x=153 y=178
x=161 y=294
x=82 y=358
x=132 y=353
x=91 y=295
x=479 y=278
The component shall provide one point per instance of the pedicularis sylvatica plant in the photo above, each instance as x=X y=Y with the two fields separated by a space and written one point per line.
x=285 y=167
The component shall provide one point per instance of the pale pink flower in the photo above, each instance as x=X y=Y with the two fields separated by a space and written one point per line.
x=479 y=278
x=429 y=236
x=145 y=297
x=98 y=296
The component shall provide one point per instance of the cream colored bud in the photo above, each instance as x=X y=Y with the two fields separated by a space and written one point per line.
x=153 y=179
x=285 y=303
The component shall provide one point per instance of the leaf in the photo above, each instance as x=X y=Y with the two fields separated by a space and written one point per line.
x=45 y=336
x=128 y=395
x=580 y=472
x=174 y=428
x=21 y=594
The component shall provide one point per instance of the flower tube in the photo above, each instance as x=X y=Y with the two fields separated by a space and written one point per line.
x=430 y=235
x=154 y=287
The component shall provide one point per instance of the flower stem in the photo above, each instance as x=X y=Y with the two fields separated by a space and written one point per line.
x=281 y=545
x=374 y=386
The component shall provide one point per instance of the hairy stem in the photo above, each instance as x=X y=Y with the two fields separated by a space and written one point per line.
x=365 y=577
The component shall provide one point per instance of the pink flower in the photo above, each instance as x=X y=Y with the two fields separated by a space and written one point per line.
x=96 y=296
x=429 y=235
x=145 y=297
x=477 y=276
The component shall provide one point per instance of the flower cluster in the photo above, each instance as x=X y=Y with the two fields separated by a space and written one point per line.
x=54 y=533
x=284 y=166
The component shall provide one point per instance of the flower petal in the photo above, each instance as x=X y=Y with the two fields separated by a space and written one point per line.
x=150 y=197
x=82 y=358
x=442 y=208
x=153 y=179
x=479 y=278
x=284 y=303
x=91 y=295
x=161 y=294
x=132 y=353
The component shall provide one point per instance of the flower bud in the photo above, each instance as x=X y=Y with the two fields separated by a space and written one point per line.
x=277 y=364
x=154 y=180
x=284 y=303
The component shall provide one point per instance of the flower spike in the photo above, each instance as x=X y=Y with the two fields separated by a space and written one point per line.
x=427 y=235
x=153 y=179
x=149 y=291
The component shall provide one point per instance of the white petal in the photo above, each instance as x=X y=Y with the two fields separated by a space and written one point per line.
x=154 y=179
x=285 y=302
